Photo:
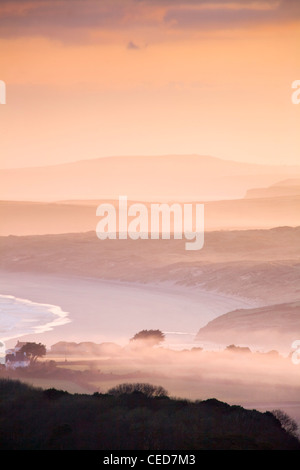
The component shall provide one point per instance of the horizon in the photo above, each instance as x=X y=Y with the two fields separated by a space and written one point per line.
x=167 y=155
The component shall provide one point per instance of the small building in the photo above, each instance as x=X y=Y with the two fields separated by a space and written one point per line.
x=2 y=353
x=15 y=358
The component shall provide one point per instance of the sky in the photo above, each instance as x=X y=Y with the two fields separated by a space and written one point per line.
x=96 y=78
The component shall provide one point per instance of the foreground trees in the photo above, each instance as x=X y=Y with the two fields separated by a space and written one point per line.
x=286 y=422
x=148 y=390
x=39 y=419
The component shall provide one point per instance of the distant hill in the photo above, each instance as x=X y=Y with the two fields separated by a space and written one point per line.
x=149 y=178
x=254 y=264
x=270 y=327
x=39 y=218
x=51 y=419
x=289 y=187
x=288 y=182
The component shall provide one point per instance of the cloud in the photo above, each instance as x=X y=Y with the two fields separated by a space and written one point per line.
x=229 y=15
x=62 y=19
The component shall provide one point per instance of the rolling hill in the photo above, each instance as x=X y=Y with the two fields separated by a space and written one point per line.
x=149 y=178
x=269 y=327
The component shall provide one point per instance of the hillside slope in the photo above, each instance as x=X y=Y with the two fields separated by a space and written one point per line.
x=35 y=419
x=270 y=327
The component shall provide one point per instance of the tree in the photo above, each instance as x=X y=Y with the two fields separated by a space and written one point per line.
x=149 y=337
x=237 y=349
x=33 y=351
x=146 y=389
x=286 y=422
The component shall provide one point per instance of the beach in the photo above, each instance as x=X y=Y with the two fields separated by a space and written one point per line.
x=100 y=310
x=22 y=316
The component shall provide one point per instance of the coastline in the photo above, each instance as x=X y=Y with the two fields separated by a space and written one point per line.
x=103 y=310
x=24 y=316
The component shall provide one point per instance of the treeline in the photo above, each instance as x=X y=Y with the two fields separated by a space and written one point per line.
x=88 y=348
x=131 y=418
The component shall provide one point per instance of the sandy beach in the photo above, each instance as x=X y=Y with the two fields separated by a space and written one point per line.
x=19 y=316
x=114 y=311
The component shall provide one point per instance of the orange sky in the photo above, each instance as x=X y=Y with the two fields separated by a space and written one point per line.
x=87 y=79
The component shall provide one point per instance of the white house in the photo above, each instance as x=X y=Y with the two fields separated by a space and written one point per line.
x=15 y=358
x=2 y=352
